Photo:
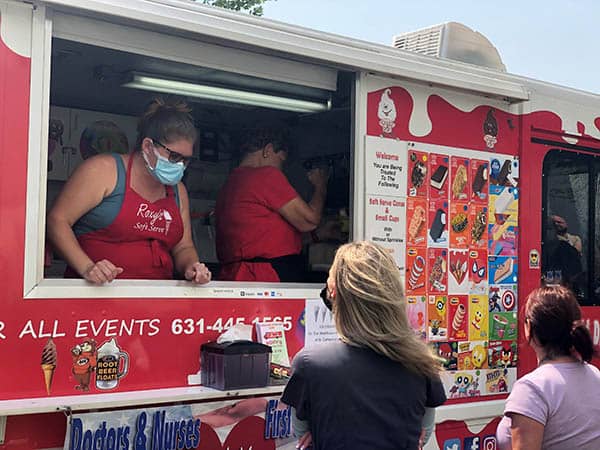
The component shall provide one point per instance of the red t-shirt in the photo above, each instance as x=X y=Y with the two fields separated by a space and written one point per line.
x=249 y=224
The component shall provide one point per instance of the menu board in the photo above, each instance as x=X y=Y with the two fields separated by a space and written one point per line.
x=385 y=224
x=459 y=238
x=385 y=167
x=386 y=202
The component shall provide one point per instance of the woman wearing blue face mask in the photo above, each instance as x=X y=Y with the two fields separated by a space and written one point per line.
x=127 y=216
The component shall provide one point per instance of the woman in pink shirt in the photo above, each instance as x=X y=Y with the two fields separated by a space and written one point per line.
x=557 y=406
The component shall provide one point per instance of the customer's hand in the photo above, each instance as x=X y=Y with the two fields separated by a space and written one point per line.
x=305 y=441
x=198 y=273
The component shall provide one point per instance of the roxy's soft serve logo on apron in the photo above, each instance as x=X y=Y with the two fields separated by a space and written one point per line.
x=153 y=220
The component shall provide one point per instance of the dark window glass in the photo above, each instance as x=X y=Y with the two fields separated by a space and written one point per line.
x=571 y=197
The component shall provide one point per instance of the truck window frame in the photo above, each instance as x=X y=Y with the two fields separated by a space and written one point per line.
x=48 y=24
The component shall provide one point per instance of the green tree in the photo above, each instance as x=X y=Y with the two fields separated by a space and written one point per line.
x=253 y=7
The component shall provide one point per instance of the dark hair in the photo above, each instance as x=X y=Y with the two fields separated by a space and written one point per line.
x=257 y=139
x=555 y=322
x=166 y=120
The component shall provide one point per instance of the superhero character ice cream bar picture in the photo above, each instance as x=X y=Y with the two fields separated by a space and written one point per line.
x=448 y=352
x=478 y=272
x=503 y=298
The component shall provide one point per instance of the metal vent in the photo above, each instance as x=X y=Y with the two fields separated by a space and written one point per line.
x=426 y=41
x=451 y=40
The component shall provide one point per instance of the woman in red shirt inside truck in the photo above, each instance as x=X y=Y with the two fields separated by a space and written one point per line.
x=260 y=216
x=127 y=216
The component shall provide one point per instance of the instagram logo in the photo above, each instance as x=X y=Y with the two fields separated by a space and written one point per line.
x=489 y=443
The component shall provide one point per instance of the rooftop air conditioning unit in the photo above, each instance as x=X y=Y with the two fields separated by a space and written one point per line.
x=452 y=40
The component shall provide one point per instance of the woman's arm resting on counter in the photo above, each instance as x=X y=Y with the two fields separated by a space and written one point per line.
x=93 y=180
x=184 y=254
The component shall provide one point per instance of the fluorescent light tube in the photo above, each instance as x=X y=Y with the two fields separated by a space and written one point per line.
x=151 y=83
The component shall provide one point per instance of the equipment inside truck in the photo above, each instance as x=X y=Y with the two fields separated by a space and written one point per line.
x=97 y=94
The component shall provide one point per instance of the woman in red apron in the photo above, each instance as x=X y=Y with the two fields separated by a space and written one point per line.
x=127 y=216
x=261 y=217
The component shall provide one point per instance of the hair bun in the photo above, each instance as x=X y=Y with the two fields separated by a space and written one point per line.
x=171 y=103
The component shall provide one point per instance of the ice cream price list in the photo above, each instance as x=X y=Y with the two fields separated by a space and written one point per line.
x=449 y=216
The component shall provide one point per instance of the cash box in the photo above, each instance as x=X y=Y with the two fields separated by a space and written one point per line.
x=235 y=365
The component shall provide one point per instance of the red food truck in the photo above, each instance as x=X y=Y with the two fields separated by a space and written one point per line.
x=461 y=171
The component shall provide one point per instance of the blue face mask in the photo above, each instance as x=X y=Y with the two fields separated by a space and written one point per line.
x=165 y=171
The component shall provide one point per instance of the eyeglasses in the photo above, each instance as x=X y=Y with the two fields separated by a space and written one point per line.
x=174 y=157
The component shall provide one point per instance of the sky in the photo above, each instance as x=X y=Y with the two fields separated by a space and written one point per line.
x=555 y=41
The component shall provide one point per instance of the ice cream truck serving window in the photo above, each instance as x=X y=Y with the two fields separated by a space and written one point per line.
x=292 y=119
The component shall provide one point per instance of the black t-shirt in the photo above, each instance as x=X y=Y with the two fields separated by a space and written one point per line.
x=354 y=398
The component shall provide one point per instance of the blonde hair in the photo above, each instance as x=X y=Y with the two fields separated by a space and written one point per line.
x=370 y=307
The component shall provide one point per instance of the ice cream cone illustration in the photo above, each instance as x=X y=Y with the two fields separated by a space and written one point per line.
x=490 y=130
x=168 y=220
x=49 y=363
x=386 y=112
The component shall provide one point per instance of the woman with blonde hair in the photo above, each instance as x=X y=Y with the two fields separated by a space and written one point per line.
x=371 y=389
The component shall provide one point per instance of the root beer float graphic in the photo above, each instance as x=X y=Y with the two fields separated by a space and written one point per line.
x=113 y=364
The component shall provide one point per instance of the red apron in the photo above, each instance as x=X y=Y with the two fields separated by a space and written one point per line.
x=141 y=237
